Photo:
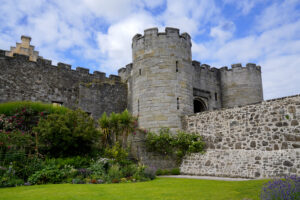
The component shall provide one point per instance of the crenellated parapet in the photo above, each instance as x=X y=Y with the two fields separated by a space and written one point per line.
x=238 y=67
x=203 y=67
x=241 y=85
x=169 y=43
x=153 y=34
x=125 y=72
x=62 y=67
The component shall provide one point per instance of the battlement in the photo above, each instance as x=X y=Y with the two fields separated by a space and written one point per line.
x=198 y=66
x=152 y=33
x=238 y=66
x=60 y=66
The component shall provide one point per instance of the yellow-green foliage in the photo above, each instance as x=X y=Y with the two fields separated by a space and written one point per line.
x=10 y=108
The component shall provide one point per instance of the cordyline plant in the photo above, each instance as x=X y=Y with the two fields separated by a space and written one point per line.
x=282 y=189
x=117 y=125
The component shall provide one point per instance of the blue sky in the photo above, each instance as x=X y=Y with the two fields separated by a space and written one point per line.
x=97 y=34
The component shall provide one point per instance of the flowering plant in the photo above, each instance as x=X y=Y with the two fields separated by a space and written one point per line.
x=282 y=189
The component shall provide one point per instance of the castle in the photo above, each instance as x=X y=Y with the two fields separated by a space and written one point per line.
x=164 y=83
x=246 y=136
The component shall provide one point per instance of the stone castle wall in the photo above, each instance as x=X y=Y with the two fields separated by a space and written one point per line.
x=21 y=79
x=207 y=82
x=259 y=140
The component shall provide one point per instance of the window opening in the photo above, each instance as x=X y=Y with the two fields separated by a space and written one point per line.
x=199 y=106
x=57 y=103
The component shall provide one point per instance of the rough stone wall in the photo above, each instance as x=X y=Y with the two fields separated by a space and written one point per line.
x=261 y=140
x=243 y=163
x=241 y=85
x=207 y=81
x=21 y=79
x=153 y=161
x=161 y=78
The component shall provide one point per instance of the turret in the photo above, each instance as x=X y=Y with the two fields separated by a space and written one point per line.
x=241 y=85
x=161 y=78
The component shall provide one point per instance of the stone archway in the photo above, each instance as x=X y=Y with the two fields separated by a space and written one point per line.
x=199 y=105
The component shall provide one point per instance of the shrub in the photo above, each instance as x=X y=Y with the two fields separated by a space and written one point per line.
x=114 y=173
x=49 y=174
x=167 y=144
x=8 y=177
x=129 y=170
x=100 y=167
x=117 y=125
x=140 y=174
x=76 y=161
x=161 y=143
x=117 y=153
x=69 y=134
x=282 y=189
x=10 y=108
x=175 y=171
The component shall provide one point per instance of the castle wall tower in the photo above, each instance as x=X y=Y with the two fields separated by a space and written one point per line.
x=24 y=48
x=241 y=85
x=161 y=78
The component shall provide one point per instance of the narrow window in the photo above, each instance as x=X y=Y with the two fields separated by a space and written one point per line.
x=176 y=66
x=138 y=105
x=57 y=103
x=89 y=113
x=216 y=96
x=177 y=103
x=140 y=72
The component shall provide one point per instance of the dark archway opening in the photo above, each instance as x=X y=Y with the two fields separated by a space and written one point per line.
x=199 y=106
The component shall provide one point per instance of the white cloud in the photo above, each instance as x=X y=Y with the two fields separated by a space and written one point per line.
x=116 y=44
x=100 y=32
x=278 y=14
x=223 y=31
x=190 y=16
x=245 y=6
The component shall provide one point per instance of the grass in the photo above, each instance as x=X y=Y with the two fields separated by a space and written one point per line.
x=160 y=188
x=10 y=108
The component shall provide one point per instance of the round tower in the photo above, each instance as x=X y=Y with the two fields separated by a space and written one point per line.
x=161 y=78
x=241 y=85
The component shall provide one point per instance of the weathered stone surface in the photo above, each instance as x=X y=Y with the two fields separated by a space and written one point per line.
x=243 y=163
x=263 y=146
x=22 y=80
x=294 y=123
x=163 y=79
x=287 y=163
x=252 y=144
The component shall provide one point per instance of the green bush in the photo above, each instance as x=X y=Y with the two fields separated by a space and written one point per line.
x=117 y=153
x=175 y=171
x=166 y=143
x=10 y=108
x=9 y=178
x=116 y=127
x=76 y=161
x=70 y=134
x=114 y=173
x=99 y=168
x=49 y=174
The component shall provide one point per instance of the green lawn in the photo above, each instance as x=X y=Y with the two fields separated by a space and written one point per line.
x=160 y=188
